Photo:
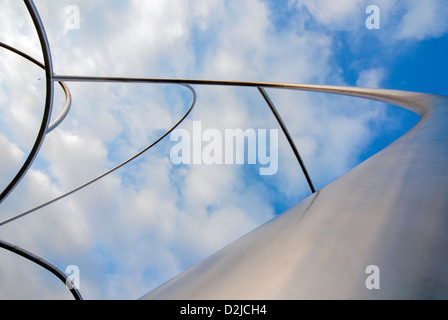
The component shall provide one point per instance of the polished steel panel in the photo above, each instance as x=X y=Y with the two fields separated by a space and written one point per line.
x=391 y=211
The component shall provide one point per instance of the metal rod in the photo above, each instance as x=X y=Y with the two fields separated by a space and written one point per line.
x=107 y=172
x=65 y=110
x=23 y=54
x=48 y=101
x=68 y=97
x=288 y=136
x=383 y=95
x=43 y=263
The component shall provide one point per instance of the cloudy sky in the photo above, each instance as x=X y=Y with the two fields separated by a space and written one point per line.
x=152 y=219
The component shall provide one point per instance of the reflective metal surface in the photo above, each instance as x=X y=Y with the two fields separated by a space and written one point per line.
x=390 y=212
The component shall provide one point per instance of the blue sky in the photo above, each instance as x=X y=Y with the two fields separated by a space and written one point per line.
x=152 y=219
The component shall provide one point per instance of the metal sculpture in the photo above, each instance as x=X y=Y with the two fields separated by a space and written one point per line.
x=295 y=252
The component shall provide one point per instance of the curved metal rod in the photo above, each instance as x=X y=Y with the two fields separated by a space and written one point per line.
x=68 y=97
x=23 y=54
x=408 y=100
x=288 y=137
x=43 y=263
x=65 y=110
x=381 y=95
x=111 y=170
x=48 y=100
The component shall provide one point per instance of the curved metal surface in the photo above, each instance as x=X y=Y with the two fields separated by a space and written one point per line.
x=391 y=211
x=6 y=221
x=43 y=263
x=48 y=100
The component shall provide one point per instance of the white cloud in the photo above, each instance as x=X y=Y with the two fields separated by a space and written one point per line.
x=12 y=156
x=337 y=14
x=371 y=78
x=423 y=20
x=74 y=159
x=403 y=20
